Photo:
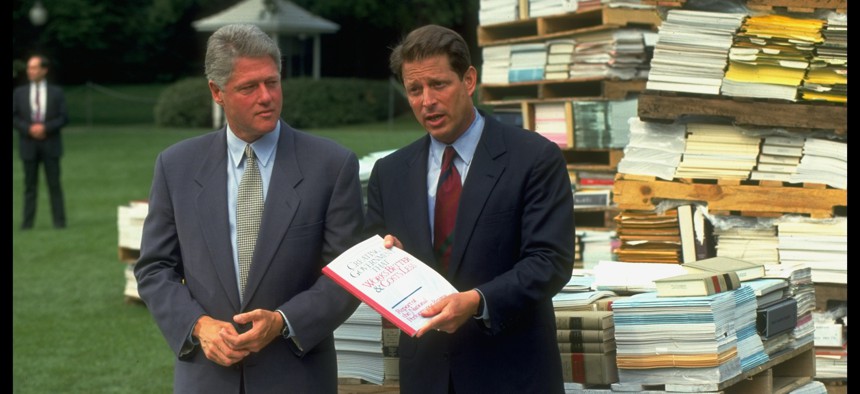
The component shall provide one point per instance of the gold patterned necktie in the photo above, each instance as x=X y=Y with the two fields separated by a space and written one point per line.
x=249 y=212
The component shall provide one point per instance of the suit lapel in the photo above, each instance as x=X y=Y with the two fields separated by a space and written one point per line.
x=211 y=210
x=413 y=202
x=282 y=203
x=484 y=173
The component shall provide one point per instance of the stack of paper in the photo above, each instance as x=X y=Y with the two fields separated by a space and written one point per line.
x=770 y=56
x=551 y=121
x=603 y=124
x=692 y=51
x=654 y=149
x=821 y=244
x=827 y=78
x=750 y=348
x=824 y=161
x=527 y=62
x=539 y=8
x=649 y=236
x=361 y=350
x=498 y=11
x=622 y=277
x=747 y=239
x=497 y=64
x=616 y=54
x=677 y=340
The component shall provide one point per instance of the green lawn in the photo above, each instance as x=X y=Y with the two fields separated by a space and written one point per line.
x=72 y=330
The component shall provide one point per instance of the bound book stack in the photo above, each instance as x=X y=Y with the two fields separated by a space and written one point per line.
x=586 y=342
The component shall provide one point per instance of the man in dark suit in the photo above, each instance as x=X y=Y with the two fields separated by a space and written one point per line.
x=39 y=114
x=512 y=245
x=271 y=332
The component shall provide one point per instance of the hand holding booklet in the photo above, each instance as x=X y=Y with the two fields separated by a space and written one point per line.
x=391 y=281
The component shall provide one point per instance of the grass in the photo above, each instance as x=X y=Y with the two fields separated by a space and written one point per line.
x=72 y=330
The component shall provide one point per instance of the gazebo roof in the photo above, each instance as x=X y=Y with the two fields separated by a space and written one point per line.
x=273 y=16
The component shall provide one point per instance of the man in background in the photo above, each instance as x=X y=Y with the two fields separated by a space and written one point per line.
x=39 y=114
x=241 y=222
x=490 y=207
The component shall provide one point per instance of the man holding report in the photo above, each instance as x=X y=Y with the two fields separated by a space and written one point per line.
x=490 y=207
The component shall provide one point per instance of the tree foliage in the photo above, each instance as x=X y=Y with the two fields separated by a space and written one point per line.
x=140 y=41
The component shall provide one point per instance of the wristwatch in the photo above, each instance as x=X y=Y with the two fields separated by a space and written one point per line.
x=285 y=332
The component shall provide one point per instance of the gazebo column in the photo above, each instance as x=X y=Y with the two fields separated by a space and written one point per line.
x=317 y=55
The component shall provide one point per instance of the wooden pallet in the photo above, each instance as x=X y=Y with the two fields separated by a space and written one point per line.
x=661 y=3
x=635 y=192
x=565 y=25
x=800 y=6
x=668 y=107
x=559 y=90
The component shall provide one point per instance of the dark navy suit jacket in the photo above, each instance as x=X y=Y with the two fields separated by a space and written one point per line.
x=514 y=240
x=56 y=117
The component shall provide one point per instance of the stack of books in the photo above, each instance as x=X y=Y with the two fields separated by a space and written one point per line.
x=692 y=51
x=586 y=342
x=753 y=242
x=716 y=151
x=779 y=158
x=649 y=236
x=559 y=58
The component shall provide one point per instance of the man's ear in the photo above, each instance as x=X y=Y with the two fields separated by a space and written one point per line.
x=216 y=93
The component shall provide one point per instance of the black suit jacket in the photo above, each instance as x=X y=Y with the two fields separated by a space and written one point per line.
x=56 y=117
x=312 y=213
x=514 y=240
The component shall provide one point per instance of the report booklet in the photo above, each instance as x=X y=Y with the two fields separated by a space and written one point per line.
x=391 y=281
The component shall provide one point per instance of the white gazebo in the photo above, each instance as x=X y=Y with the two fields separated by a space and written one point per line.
x=274 y=17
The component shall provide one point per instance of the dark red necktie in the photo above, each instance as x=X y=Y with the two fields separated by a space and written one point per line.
x=447 y=199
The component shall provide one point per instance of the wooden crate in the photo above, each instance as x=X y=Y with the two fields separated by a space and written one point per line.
x=565 y=25
x=564 y=90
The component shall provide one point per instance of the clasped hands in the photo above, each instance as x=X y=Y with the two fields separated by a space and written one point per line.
x=225 y=346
